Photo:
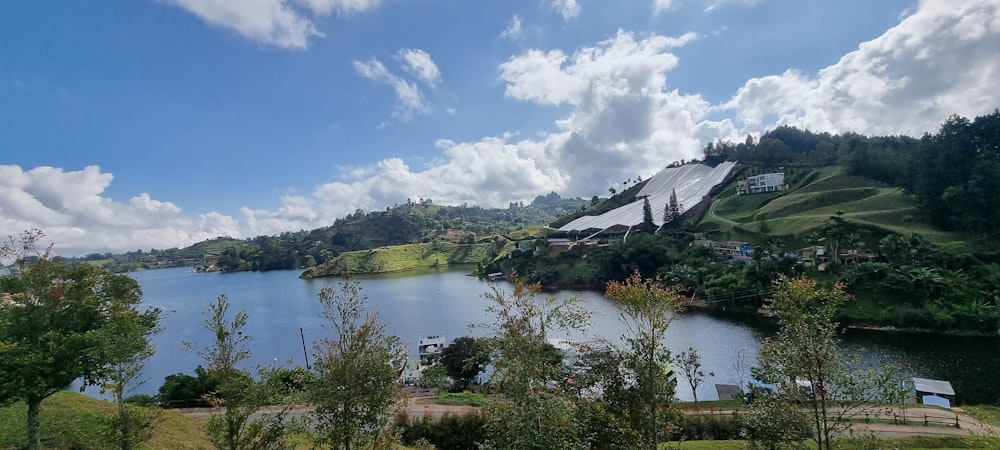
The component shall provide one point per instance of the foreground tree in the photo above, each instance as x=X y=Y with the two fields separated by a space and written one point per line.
x=355 y=393
x=241 y=396
x=128 y=348
x=689 y=365
x=643 y=399
x=531 y=410
x=804 y=361
x=56 y=325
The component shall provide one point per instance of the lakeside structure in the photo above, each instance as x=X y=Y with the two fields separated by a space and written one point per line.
x=430 y=348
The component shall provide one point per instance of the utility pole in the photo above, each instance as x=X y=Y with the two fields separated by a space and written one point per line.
x=304 y=352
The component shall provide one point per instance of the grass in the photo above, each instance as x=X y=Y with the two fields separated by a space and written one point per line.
x=461 y=398
x=813 y=198
x=401 y=258
x=986 y=413
x=72 y=420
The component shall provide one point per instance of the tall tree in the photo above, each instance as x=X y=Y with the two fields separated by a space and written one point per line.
x=241 y=396
x=647 y=216
x=646 y=310
x=804 y=361
x=355 y=392
x=55 y=327
x=530 y=412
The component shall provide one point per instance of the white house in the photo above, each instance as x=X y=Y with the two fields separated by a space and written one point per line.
x=768 y=182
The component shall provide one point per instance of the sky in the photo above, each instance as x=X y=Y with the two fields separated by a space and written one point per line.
x=139 y=124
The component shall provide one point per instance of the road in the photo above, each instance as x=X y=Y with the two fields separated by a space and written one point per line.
x=940 y=422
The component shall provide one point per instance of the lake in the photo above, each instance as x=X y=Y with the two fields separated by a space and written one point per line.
x=446 y=302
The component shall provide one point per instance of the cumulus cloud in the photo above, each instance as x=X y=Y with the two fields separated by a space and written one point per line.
x=939 y=61
x=410 y=98
x=69 y=206
x=419 y=63
x=620 y=118
x=513 y=31
x=566 y=8
x=279 y=23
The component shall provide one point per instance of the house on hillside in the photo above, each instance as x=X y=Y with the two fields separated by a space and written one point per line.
x=768 y=182
x=733 y=250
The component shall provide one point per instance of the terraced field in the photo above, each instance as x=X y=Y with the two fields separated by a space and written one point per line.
x=814 y=197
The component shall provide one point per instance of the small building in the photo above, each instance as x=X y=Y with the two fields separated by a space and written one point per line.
x=768 y=182
x=737 y=250
x=929 y=391
x=728 y=391
x=430 y=349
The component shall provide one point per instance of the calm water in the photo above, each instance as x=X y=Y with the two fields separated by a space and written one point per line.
x=446 y=302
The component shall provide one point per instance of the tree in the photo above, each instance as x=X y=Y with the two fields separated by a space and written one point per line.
x=689 y=364
x=128 y=349
x=672 y=211
x=803 y=360
x=464 y=359
x=647 y=216
x=238 y=393
x=23 y=248
x=646 y=310
x=55 y=327
x=181 y=389
x=530 y=410
x=355 y=392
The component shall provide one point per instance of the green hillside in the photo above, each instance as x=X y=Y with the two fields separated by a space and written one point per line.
x=74 y=421
x=814 y=195
x=400 y=258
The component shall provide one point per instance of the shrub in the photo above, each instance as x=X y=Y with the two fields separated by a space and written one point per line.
x=451 y=432
x=182 y=390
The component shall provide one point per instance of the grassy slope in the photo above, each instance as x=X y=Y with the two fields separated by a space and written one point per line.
x=72 y=420
x=815 y=195
x=399 y=258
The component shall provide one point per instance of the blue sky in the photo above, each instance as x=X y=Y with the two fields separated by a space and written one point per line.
x=158 y=123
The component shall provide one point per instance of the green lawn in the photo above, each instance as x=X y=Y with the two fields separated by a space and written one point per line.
x=71 y=420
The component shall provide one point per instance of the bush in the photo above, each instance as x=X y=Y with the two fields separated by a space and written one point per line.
x=142 y=400
x=708 y=427
x=290 y=381
x=450 y=432
x=182 y=390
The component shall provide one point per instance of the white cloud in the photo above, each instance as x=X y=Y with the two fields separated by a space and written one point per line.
x=711 y=5
x=566 y=8
x=662 y=5
x=271 y=22
x=420 y=64
x=411 y=99
x=513 y=31
x=280 y=23
x=342 y=7
x=620 y=118
x=941 y=60
x=70 y=208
